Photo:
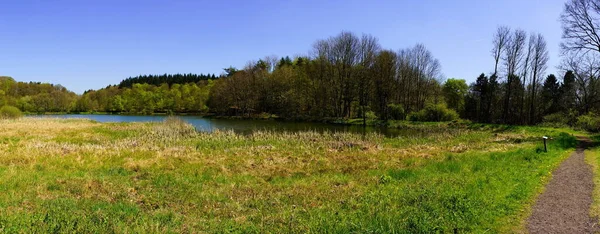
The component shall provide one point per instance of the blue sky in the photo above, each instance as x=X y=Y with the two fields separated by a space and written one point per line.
x=91 y=44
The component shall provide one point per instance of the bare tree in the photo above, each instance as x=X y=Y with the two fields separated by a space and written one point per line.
x=587 y=72
x=580 y=23
x=418 y=72
x=501 y=39
x=539 y=60
x=345 y=54
x=369 y=48
x=515 y=50
x=384 y=74
x=524 y=75
x=513 y=60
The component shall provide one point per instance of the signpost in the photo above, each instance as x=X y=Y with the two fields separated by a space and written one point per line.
x=545 y=138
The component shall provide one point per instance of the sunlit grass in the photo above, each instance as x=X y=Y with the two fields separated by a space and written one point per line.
x=592 y=157
x=82 y=176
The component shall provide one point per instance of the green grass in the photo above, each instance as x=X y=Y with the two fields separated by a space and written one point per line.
x=82 y=176
x=592 y=157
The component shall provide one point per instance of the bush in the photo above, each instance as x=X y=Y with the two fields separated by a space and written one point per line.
x=589 y=122
x=557 y=120
x=370 y=115
x=10 y=112
x=434 y=113
x=396 y=112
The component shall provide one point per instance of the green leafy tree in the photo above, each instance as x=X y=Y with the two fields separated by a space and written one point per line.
x=455 y=91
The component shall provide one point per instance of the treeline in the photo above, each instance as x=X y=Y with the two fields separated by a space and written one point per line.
x=512 y=93
x=35 y=96
x=169 y=79
x=346 y=76
x=350 y=76
x=147 y=99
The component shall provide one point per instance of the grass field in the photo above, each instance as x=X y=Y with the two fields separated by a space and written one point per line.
x=81 y=176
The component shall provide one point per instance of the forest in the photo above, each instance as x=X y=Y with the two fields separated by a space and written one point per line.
x=351 y=76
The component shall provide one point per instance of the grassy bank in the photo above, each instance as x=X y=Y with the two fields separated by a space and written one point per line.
x=74 y=175
x=592 y=157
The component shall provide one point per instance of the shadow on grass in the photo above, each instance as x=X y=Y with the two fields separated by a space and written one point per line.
x=589 y=143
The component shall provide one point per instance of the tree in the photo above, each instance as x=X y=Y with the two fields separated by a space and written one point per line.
x=580 y=24
x=369 y=47
x=455 y=91
x=568 y=91
x=501 y=39
x=586 y=73
x=513 y=58
x=480 y=96
x=384 y=77
x=538 y=65
x=418 y=77
x=551 y=95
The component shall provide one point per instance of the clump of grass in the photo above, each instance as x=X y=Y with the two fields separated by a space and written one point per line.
x=171 y=129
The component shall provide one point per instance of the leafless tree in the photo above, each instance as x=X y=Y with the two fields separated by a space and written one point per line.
x=524 y=75
x=384 y=74
x=515 y=52
x=345 y=55
x=501 y=39
x=418 y=71
x=513 y=60
x=580 y=23
x=368 y=50
x=539 y=60
x=587 y=72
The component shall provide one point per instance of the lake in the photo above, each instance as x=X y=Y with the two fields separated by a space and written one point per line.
x=241 y=125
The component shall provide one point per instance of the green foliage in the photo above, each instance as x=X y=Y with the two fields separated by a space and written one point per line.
x=148 y=99
x=396 y=112
x=370 y=115
x=36 y=96
x=589 y=122
x=10 y=112
x=433 y=113
x=455 y=91
x=558 y=120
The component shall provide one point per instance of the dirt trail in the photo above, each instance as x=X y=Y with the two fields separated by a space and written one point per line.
x=565 y=204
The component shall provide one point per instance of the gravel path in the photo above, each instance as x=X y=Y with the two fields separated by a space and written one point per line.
x=565 y=204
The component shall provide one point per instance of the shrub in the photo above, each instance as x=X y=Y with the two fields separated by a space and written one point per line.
x=10 y=112
x=434 y=113
x=396 y=112
x=589 y=122
x=370 y=115
x=556 y=120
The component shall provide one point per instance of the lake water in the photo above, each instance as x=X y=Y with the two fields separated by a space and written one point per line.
x=240 y=125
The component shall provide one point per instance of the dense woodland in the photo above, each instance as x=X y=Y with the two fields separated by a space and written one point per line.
x=352 y=76
x=35 y=96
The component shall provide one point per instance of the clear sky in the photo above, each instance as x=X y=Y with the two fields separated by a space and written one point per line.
x=93 y=43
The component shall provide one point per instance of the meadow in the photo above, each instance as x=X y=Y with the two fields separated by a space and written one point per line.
x=69 y=175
